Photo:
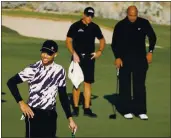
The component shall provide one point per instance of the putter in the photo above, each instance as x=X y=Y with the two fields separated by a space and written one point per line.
x=113 y=116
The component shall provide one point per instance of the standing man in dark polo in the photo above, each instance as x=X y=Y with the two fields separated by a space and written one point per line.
x=81 y=43
x=45 y=79
x=129 y=48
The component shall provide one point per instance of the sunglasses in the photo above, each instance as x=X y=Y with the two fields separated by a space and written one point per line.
x=92 y=16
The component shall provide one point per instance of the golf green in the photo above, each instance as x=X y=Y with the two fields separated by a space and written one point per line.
x=19 y=51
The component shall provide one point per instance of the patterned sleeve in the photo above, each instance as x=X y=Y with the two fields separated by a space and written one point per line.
x=62 y=80
x=27 y=74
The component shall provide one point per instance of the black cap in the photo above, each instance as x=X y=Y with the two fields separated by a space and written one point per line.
x=89 y=11
x=50 y=47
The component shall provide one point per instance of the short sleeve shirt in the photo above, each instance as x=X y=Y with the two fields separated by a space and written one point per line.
x=83 y=36
x=43 y=84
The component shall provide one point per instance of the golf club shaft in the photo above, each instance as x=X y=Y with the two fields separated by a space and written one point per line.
x=117 y=88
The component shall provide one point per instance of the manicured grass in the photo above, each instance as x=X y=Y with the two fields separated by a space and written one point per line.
x=19 y=51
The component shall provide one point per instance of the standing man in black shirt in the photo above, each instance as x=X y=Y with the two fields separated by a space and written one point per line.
x=129 y=48
x=45 y=79
x=81 y=43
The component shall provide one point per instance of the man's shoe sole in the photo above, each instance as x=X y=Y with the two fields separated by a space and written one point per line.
x=143 y=119
x=74 y=115
x=128 y=118
x=90 y=116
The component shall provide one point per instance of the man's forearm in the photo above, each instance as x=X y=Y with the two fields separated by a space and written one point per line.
x=64 y=101
x=115 y=49
x=152 y=42
x=12 y=85
x=69 y=46
x=102 y=44
x=152 y=37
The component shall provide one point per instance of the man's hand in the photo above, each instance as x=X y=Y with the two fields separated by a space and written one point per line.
x=26 y=109
x=76 y=57
x=72 y=125
x=149 y=57
x=96 y=54
x=118 y=63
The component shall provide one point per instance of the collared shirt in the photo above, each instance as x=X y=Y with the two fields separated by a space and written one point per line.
x=84 y=36
x=43 y=84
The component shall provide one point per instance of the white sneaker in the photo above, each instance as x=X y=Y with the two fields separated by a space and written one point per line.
x=128 y=116
x=143 y=117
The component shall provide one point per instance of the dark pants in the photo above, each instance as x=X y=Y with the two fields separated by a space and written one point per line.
x=43 y=124
x=133 y=73
x=88 y=66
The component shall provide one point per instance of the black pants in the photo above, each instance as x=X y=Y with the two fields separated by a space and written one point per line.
x=43 y=124
x=133 y=73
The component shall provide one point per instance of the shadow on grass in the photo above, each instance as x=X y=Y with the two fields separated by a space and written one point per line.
x=3 y=101
x=3 y=93
x=81 y=99
x=114 y=100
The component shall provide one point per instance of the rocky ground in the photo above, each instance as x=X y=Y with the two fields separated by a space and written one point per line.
x=156 y=12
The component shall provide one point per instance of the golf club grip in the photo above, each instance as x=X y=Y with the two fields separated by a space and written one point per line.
x=117 y=72
x=117 y=83
x=72 y=135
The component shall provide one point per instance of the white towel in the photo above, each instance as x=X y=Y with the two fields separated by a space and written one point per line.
x=75 y=74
